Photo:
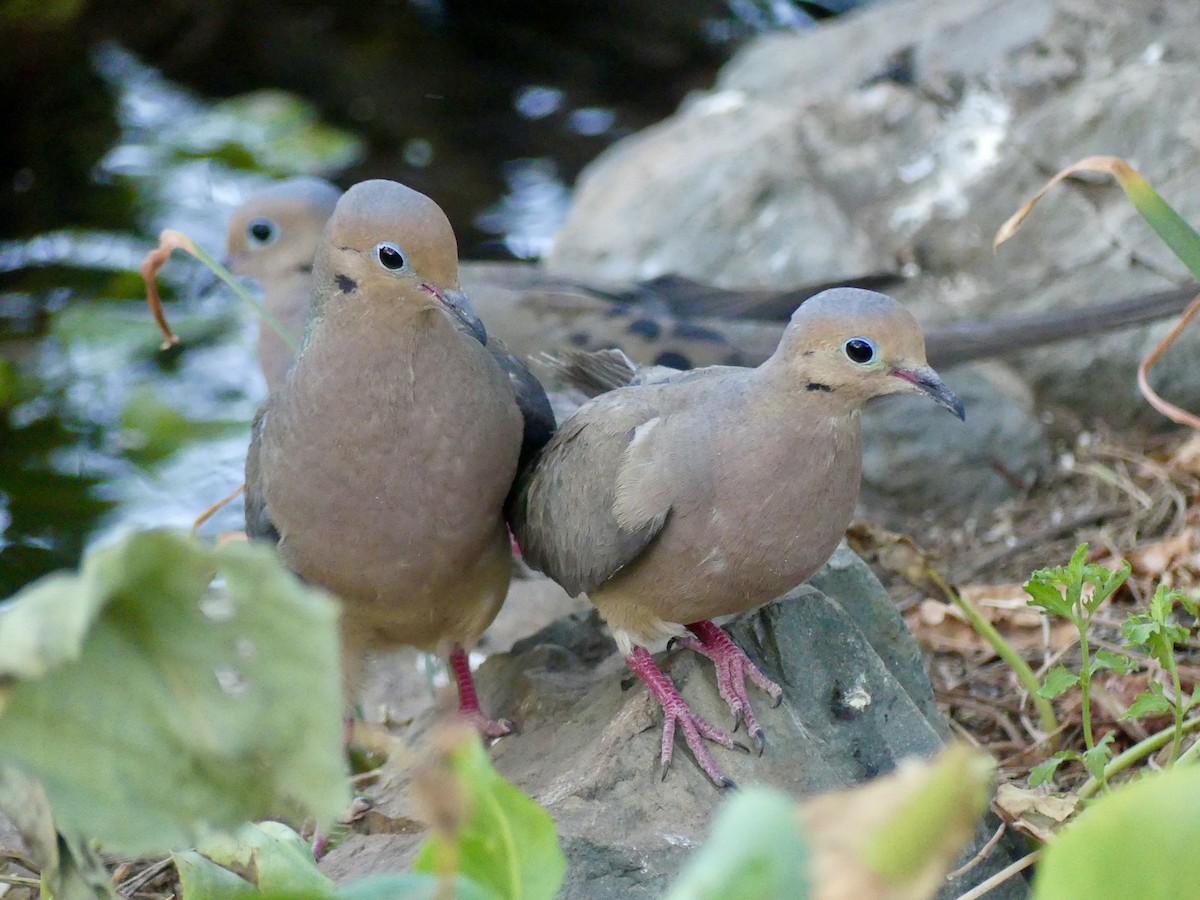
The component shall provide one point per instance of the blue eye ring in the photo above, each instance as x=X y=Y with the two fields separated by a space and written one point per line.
x=261 y=231
x=390 y=256
x=862 y=351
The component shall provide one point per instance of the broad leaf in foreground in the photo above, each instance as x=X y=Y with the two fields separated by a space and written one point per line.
x=155 y=709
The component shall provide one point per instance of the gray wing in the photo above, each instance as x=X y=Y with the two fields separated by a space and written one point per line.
x=258 y=522
x=565 y=514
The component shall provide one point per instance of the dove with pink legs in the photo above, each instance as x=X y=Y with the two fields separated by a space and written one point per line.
x=707 y=493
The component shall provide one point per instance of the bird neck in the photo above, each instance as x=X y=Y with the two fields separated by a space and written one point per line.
x=788 y=385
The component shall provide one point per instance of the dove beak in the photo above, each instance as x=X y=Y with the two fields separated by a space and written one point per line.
x=925 y=380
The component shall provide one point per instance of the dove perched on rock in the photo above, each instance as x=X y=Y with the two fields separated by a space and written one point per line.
x=709 y=492
x=382 y=462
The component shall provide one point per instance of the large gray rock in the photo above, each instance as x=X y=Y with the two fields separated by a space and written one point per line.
x=856 y=701
x=902 y=137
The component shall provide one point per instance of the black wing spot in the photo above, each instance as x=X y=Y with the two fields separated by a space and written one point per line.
x=580 y=339
x=647 y=328
x=346 y=284
x=817 y=386
x=673 y=360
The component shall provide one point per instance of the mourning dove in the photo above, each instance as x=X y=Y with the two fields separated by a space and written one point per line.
x=717 y=490
x=272 y=237
x=381 y=464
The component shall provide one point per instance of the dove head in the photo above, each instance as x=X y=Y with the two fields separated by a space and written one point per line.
x=854 y=345
x=386 y=243
x=276 y=231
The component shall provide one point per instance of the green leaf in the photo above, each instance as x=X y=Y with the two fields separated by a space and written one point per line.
x=1048 y=597
x=1161 y=604
x=274 y=858
x=1044 y=771
x=1171 y=228
x=1148 y=703
x=152 y=430
x=154 y=710
x=1096 y=758
x=1139 y=841
x=1107 y=659
x=1138 y=630
x=507 y=844
x=69 y=870
x=271 y=130
x=1058 y=680
x=1106 y=582
x=202 y=879
x=755 y=850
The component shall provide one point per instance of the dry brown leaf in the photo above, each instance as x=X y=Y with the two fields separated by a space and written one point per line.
x=1155 y=558
x=1036 y=814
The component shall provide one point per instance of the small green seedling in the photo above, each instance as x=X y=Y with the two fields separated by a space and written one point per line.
x=1154 y=634
x=1075 y=592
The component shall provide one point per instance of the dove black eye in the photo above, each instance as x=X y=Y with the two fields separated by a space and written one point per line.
x=261 y=231
x=390 y=256
x=860 y=350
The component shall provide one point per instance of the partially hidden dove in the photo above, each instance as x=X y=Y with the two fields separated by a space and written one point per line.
x=381 y=464
x=709 y=492
x=272 y=237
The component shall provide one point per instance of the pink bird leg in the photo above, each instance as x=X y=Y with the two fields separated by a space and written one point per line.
x=733 y=668
x=676 y=712
x=468 y=700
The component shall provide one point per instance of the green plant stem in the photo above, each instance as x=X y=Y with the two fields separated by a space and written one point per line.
x=1179 y=708
x=1085 y=683
x=1140 y=750
x=1005 y=651
x=224 y=274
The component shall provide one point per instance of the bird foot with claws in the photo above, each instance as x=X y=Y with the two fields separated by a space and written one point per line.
x=677 y=713
x=733 y=668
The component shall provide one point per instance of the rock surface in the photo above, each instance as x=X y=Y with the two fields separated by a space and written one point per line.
x=856 y=700
x=900 y=138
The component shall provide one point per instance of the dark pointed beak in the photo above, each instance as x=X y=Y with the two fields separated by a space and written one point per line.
x=456 y=301
x=925 y=380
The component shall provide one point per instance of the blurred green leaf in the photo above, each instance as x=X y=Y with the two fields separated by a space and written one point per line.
x=9 y=384
x=269 y=861
x=1044 y=771
x=1058 y=680
x=152 y=430
x=506 y=843
x=755 y=851
x=1097 y=757
x=271 y=856
x=154 y=710
x=1137 y=842
x=202 y=879
x=272 y=131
